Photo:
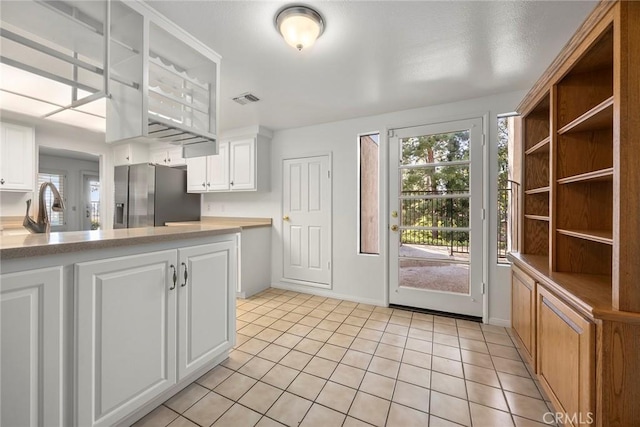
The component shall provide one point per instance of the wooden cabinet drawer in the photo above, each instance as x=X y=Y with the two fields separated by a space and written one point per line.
x=523 y=311
x=565 y=357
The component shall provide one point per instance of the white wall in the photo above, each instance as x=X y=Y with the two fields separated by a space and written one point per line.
x=73 y=191
x=359 y=277
x=64 y=137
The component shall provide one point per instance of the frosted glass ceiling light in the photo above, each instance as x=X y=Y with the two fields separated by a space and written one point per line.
x=300 y=26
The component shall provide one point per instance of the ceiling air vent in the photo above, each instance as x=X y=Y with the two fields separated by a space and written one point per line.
x=246 y=98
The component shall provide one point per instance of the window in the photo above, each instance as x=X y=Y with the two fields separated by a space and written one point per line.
x=56 y=178
x=368 y=154
x=508 y=186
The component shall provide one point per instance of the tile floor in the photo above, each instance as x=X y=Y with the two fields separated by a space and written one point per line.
x=304 y=360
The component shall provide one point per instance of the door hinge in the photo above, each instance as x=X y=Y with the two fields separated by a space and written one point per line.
x=390 y=133
x=484 y=286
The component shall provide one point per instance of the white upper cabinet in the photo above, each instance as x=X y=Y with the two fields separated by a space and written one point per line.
x=175 y=98
x=242 y=164
x=167 y=156
x=130 y=153
x=17 y=154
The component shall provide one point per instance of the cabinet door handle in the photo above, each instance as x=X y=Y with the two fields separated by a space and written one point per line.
x=186 y=275
x=231 y=183
x=175 y=277
x=2 y=181
x=203 y=184
x=208 y=184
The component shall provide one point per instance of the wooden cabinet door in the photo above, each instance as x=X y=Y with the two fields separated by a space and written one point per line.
x=17 y=158
x=31 y=342
x=523 y=311
x=197 y=175
x=126 y=334
x=218 y=169
x=206 y=304
x=566 y=357
x=242 y=154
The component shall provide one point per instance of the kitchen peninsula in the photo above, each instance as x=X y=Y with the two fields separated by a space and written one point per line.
x=99 y=327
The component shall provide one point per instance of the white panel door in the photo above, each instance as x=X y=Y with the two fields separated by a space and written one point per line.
x=197 y=174
x=307 y=220
x=17 y=158
x=126 y=334
x=31 y=342
x=242 y=172
x=218 y=169
x=206 y=304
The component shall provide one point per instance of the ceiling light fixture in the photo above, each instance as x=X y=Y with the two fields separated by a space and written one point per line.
x=300 y=26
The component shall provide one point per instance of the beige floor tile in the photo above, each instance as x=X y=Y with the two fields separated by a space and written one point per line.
x=397 y=329
x=336 y=317
x=319 y=335
x=260 y=397
x=389 y=352
x=302 y=310
x=331 y=352
x=261 y=310
x=439 y=422
x=467 y=324
x=289 y=409
x=421 y=324
x=375 y=325
x=370 y=334
x=361 y=313
x=282 y=325
x=268 y=422
x=419 y=345
x=485 y=395
x=525 y=422
x=236 y=359
x=296 y=359
x=500 y=339
x=448 y=384
x=420 y=334
x=445 y=329
x=481 y=416
x=347 y=375
x=274 y=352
x=249 y=317
x=474 y=345
x=356 y=359
x=526 y=407
x=235 y=386
x=353 y=422
x=320 y=367
x=308 y=346
x=187 y=397
x=411 y=395
x=510 y=366
x=343 y=309
x=503 y=351
x=387 y=367
x=447 y=366
x=208 y=409
x=370 y=409
x=406 y=417
x=328 y=325
x=336 y=396
x=450 y=408
x=414 y=375
x=269 y=334
x=238 y=415
x=214 y=377
x=240 y=324
x=287 y=307
x=288 y=340
x=481 y=375
x=307 y=386
x=182 y=422
x=320 y=416
x=391 y=339
x=300 y=330
x=471 y=334
x=265 y=321
x=444 y=320
x=241 y=339
x=417 y=358
x=280 y=376
x=251 y=330
x=309 y=321
x=397 y=319
x=320 y=314
x=253 y=346
x=159 y=417
x=364 y=345
x=355 y=321
x=378 y=385
x=380 y=317
x=445 y=339
x=519 y=385
x=256 y=367
x=478 y=359
x=446 y=351
x=341 y=340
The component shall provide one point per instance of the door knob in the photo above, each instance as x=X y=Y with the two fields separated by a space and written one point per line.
x=285 y=218
x=394 y=214
x=394 y=227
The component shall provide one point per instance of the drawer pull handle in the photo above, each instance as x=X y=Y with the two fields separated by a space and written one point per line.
x=186 y=275
x=175 y=277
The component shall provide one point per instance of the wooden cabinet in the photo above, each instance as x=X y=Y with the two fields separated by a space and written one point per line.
x=130 y=153
x=566 y=357
x=126 y=334
x=31 y=340
x=167 y=156
x=523 y=311
x=174 y=313
x=206 y=304
x=242 y=164
x=17 y=158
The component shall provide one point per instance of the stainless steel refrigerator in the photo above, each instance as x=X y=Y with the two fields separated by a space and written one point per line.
x=149 y=195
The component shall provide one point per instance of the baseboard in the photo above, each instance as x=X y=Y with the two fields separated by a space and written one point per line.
x=500 y=322
x=326 y=293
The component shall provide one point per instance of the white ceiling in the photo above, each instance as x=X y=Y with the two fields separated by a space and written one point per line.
x=375 y=57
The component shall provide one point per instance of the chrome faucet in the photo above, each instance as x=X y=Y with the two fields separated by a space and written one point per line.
x=42 y=223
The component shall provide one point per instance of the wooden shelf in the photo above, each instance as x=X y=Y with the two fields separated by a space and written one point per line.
x=538 y=190
x=599 y=236
x=540 y=147
x=599 y=117
x=594 y=176
x=537 y=217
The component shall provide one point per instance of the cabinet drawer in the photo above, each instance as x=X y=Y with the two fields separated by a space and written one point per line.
x=565 y=356
x=523 y=311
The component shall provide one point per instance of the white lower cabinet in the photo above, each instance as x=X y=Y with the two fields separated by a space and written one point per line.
x=146 y=321
x=31 y=342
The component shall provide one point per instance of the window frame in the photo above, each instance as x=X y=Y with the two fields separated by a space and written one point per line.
x=359 y=192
